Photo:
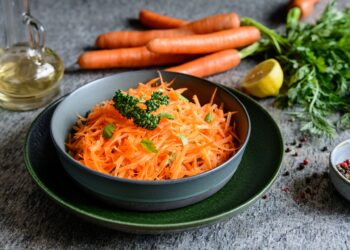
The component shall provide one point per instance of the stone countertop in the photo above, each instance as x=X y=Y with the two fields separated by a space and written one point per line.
x=311 y=214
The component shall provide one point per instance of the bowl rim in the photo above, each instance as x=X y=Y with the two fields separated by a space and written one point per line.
x=149 y=182
x=333 y=164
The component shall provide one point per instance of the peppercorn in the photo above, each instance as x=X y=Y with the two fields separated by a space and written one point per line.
x=324 y=149
x=344 y=164
x=305 y=162
x=287 y=150
x=344 y=168
x=286 y=173
x=303 y=139
x=301 y=166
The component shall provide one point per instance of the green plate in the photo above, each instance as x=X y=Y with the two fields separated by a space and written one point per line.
x=255 y=175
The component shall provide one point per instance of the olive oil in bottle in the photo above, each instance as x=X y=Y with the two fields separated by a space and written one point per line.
x=28 y=80
x=29 y=71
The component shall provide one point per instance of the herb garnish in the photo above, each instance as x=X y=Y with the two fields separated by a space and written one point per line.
x=108 y=130
x=316 y=62
x=127 y=106
x=149 y=145
x=166 y=115
x=183 y=139
x=209 y=117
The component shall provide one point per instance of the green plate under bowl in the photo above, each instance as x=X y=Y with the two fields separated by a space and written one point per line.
x=255 y=175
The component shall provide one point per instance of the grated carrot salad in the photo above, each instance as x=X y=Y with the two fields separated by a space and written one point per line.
x=186 y=146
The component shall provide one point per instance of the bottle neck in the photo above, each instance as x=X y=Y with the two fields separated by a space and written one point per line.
x=15 y=13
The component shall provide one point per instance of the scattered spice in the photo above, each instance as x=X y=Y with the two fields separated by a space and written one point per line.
x=303 y=139
x=301 y=166
x=324 y=149
x=344 y=168
x=286 y=173
x=286 y=190
x=295 y=154
x=305 y=162
x=287 y=150
x=293 y=143
x=299 y=145
x=265 y=196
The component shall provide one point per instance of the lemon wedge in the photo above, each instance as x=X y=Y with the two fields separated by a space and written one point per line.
x=265 y=79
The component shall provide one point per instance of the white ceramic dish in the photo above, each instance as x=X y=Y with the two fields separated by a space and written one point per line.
x=339 y=154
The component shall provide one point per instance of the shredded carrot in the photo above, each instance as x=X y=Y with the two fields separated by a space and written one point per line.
x=186 y=145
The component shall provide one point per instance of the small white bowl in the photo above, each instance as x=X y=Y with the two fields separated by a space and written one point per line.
x=339 y=154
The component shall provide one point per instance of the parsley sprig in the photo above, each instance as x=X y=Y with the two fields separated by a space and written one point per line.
x=127 y=106
x=316 y=63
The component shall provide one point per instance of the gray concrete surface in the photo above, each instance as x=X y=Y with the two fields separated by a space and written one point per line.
x=319 y=219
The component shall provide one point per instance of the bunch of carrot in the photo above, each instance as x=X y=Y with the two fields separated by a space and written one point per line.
x=206 y=46
x=201 y=48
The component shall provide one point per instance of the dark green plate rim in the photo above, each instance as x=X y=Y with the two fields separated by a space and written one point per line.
x=155 y=228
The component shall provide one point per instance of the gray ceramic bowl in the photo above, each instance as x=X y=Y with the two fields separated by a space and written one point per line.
x=138 y=194
x=339 y=154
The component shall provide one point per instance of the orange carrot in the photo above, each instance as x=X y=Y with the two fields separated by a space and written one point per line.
x=207 y=43
x=122 y=39
x=137 y=57
x=214 y=23
x=186 y=145
x=306 y=6
x=154 y=20
x=210 y=64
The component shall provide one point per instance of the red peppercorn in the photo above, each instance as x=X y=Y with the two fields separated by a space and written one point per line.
x=303 y=139
x=305 y=162
x=344 y=164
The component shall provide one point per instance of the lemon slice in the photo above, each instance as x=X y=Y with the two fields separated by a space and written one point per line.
x=265 y=79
